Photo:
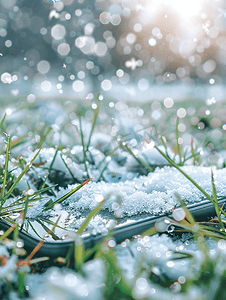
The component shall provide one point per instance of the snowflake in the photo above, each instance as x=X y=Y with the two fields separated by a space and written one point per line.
x=133 y=63
x=206 y=26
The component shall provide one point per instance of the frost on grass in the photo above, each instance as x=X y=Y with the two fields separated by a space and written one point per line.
x=152 y=194
x=144 y=196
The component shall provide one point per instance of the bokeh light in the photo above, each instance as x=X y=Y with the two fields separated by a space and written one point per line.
x=154 y=44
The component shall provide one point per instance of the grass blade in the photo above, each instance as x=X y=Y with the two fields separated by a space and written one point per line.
x=69 y=253
x=33 y=197
x=44 y=137
x=196 y=155
x=54 y=224
x=15 y=237
x=101 y=174
x=2 y=121
x=150 y=231
x=178 y=145
x=181 y=255
x=193 y=153
x=187 y=176
x=18 y=179
x=38 y=259
x=53 y=160
x=43 y=190
x=217 y=209
x=37 y=247
x=79 y=250
x=66 y=196
x=48 y=230
x=6 y=166
x=19 y=141
x=90 y=216
x=83 y=146
x=115 y=289
x=32 y=227
x=44 y=183
x=164 y=144
x=187 y=212
x=7 y=232
x=69 y=170
x=25 y=211
x=93 y=123
x=140 y=161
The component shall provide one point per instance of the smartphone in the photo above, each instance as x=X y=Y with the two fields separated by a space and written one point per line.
x=125 y=228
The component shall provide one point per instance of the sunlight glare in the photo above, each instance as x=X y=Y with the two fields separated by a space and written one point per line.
x=185 y=9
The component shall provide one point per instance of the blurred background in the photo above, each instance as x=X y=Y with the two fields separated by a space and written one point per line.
x=125 y=49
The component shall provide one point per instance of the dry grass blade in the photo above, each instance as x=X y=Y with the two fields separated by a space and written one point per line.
x=35 y=250
x=28 y=261
x=8 y=231
x=18 y=141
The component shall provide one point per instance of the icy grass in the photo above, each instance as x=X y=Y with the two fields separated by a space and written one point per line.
x=150 y=267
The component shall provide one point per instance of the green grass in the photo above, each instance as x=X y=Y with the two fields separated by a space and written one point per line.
x=163 y=132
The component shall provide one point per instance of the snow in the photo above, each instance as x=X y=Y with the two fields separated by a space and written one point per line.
x=7 y=271
x=138 y=198
x=126 y=197
x=127 y=194
x=138 y=260
x=143 y=261
x=150 y=157
x=151 y=194
x=58 y=284
x=46 y=157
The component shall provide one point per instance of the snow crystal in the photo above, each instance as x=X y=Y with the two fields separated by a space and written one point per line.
x=151 y=194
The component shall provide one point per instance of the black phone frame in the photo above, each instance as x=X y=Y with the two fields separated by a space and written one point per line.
x=200 y=211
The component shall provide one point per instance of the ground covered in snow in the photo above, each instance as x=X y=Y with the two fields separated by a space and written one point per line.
x=143 y=263
x=133 y=181
x=129 y=195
